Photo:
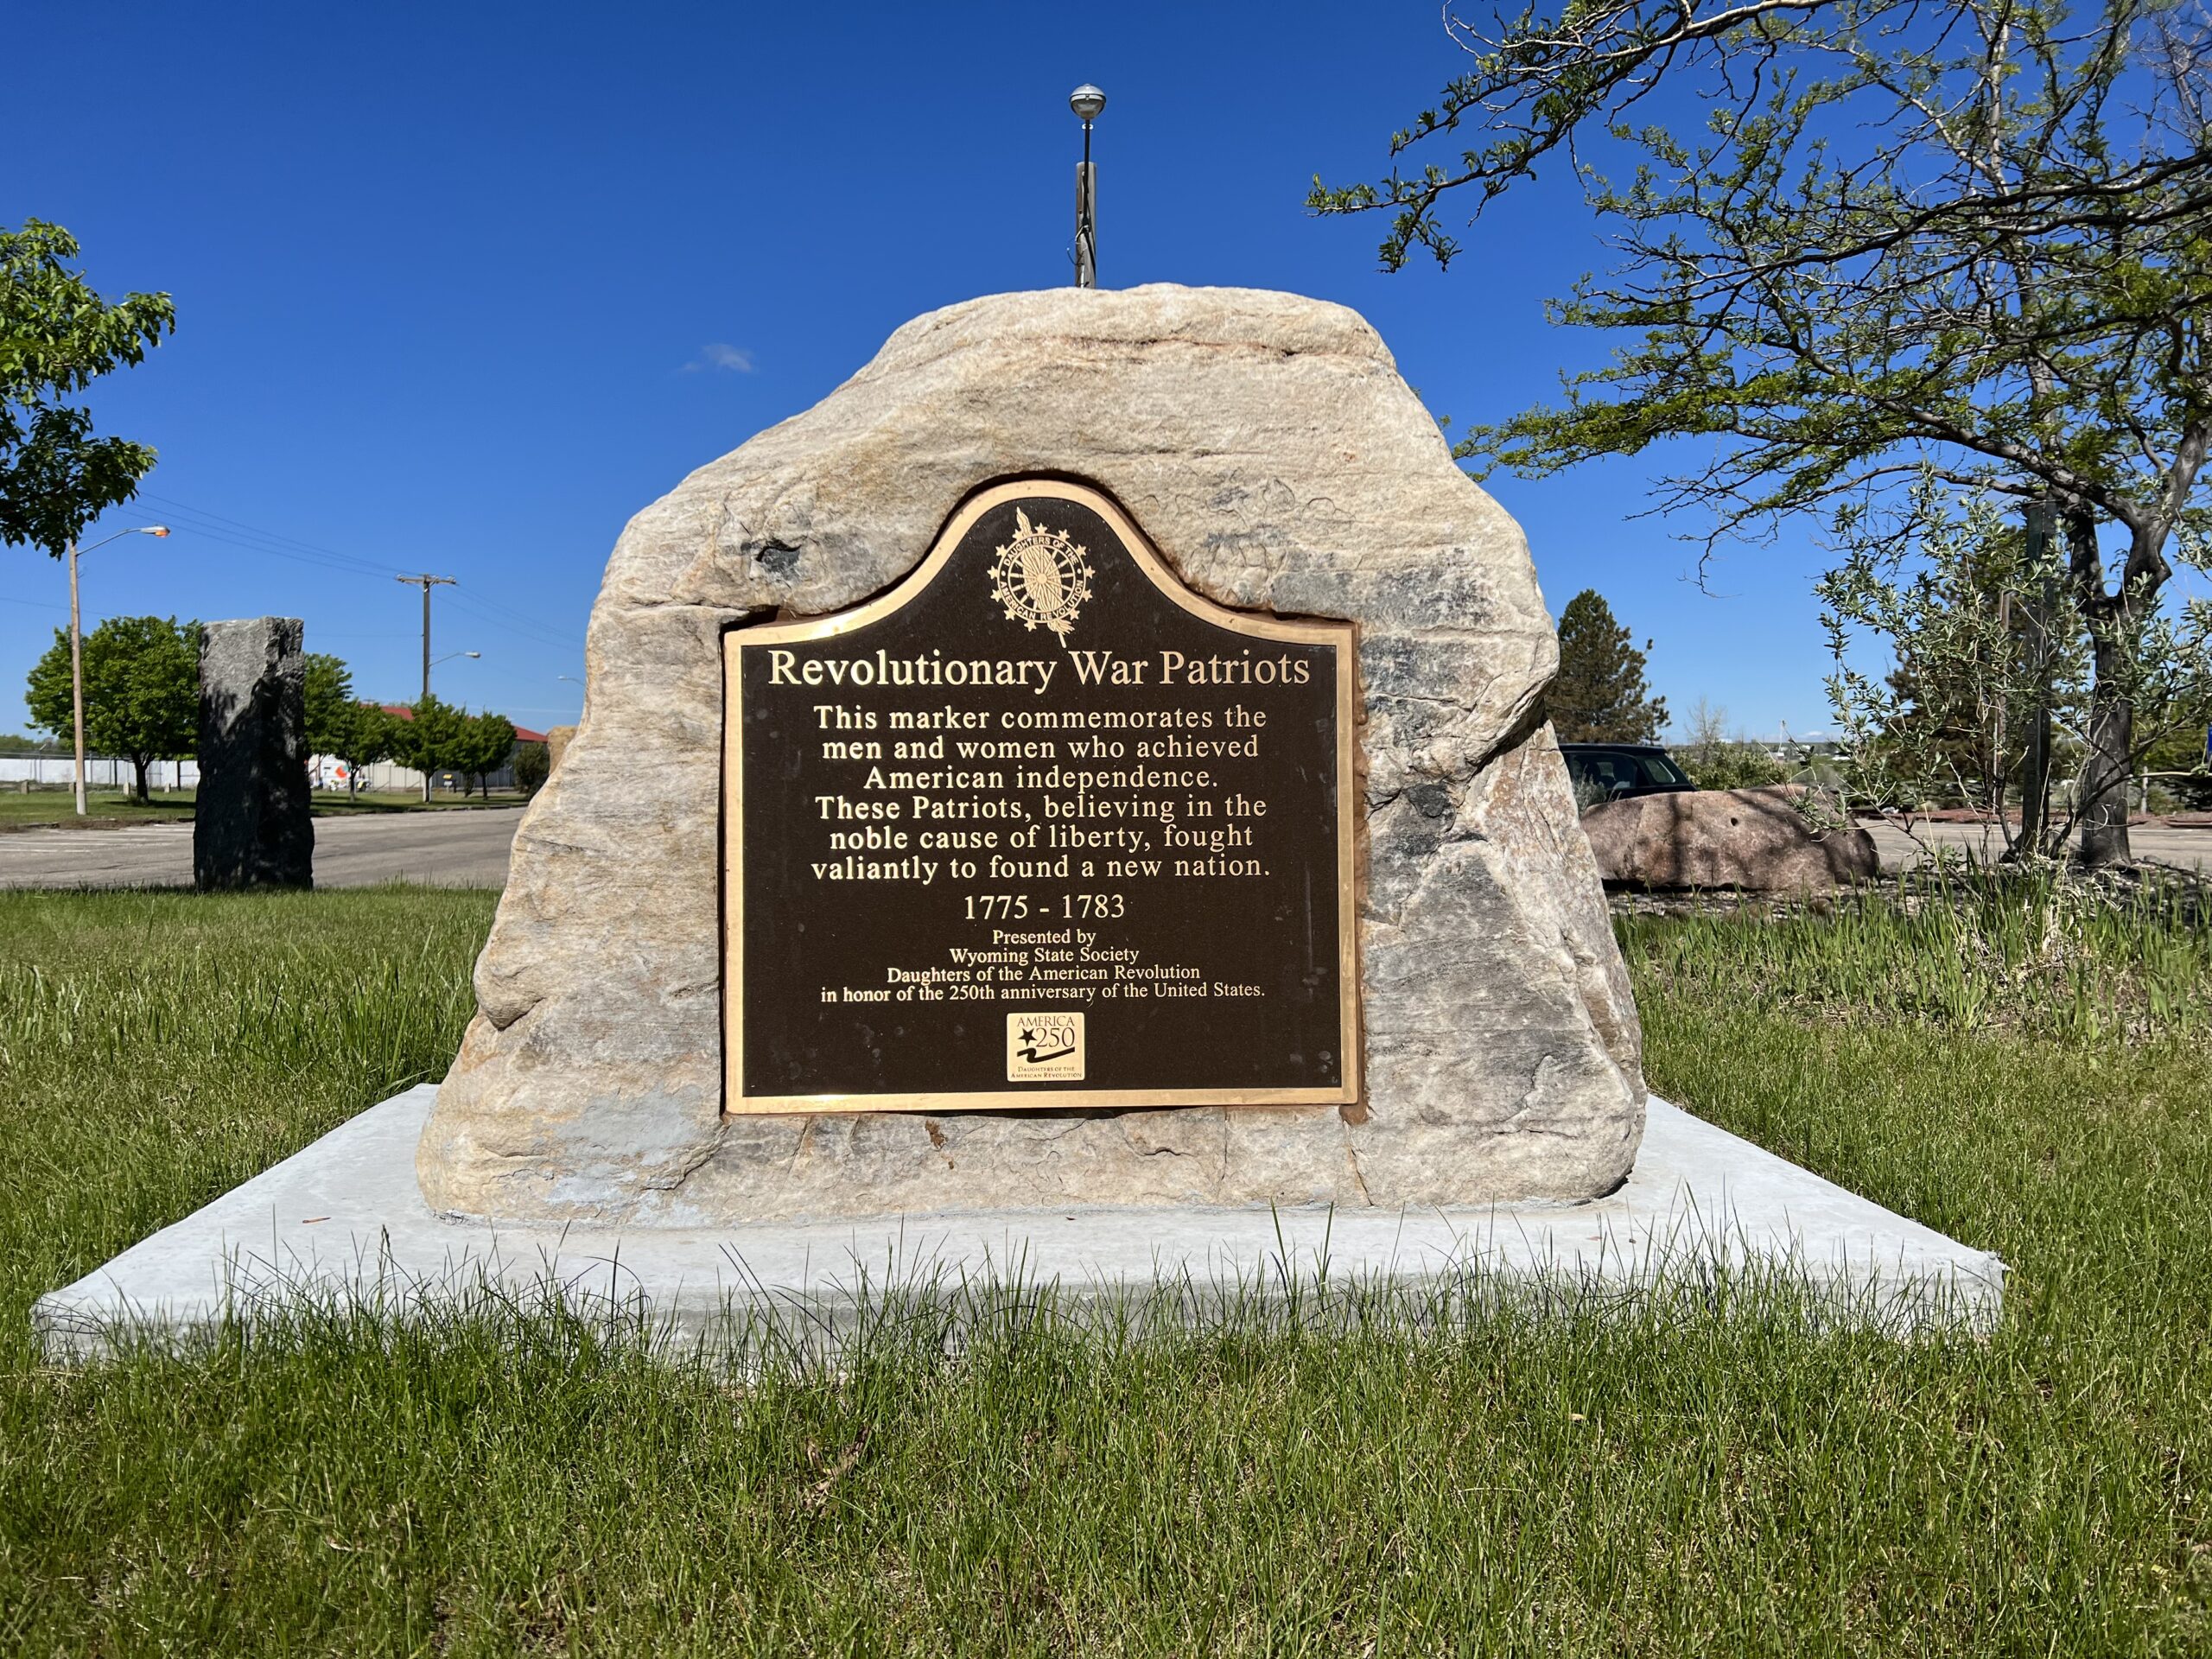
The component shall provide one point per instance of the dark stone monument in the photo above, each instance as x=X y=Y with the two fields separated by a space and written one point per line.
x=252 y=828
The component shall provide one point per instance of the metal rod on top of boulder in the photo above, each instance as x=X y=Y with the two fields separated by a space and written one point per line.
x=1086 y=101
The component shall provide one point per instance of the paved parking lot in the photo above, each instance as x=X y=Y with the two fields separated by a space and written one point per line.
x=2186 y=850
x=450 y=848
x=469 y=849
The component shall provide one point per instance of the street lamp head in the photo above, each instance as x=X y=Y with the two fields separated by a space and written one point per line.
x=1087 y=101
x=153 y=530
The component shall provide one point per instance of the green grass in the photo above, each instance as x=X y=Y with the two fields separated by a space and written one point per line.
x=1673 y=1482
x=1960 y=945
x=335 y=802
x=43 y=807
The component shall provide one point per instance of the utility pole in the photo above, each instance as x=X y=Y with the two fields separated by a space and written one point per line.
x=1086 y=101
x=77 y=645
x=426 y=581
x=77 y=679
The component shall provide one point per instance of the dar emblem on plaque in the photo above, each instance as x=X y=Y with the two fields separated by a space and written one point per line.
x=1041 y=577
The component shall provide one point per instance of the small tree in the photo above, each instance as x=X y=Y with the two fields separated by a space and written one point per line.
x=1599 y=695
x=329 y=696
x=487 y=741
x=429 y=740
x=1716 y=760
x=532 y=767
x=362 y=735
x=142 y=690
x=57 y=336
x=1942 y=594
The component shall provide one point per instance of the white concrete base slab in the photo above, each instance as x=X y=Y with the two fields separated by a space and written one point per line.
x=343 y=1219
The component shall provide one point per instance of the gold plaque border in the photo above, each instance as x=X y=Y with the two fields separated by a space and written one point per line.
x=1343 y=636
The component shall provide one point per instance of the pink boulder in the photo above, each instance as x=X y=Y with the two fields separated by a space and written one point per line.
x=1775 y=840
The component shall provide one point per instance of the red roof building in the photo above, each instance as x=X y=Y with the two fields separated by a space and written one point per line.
x=523 y=733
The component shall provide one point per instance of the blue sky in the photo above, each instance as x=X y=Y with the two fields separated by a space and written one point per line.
x=461 y=287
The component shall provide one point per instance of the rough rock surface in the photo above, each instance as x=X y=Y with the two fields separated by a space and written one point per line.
x=1266 y=445
x=253 y=827
x=1758 y=840
x=557 y=740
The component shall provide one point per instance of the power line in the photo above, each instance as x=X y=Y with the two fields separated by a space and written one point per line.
x=253 y=538
x=522 y=618
x=237 y=532
x=298 y=548
x=514 y=623
x=209 y=532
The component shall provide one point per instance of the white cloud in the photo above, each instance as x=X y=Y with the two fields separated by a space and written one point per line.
x=720 y=354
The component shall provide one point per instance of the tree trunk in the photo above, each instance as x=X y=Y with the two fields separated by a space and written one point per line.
x=140 y=763
x=2116 y=628
x=2106 y=771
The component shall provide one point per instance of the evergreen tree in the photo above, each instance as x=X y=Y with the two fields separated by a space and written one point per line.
x=1599 y=695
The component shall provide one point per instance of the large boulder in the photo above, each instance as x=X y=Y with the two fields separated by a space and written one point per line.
x=1781 y=839
x=1267 y=446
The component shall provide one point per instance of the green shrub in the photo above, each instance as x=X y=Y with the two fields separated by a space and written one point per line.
x=1730 y=766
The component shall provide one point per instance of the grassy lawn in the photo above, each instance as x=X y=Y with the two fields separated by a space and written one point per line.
x=1681 y=1482
x=44 y=807
x=334 y=803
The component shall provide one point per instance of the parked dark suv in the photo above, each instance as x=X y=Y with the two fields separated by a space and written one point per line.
x=1613 y=772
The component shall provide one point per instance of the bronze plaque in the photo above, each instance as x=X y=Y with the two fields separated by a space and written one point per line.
x=1040 y=827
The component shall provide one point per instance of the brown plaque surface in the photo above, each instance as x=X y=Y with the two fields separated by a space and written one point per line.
x=1038 y=828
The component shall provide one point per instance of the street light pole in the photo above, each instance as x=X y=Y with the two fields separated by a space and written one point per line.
x=76 y=680
x=77 y=648
x=1086 y=101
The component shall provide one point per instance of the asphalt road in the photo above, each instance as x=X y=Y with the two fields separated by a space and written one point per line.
x=469 y=849
x=2187 y=849
x=452 y=848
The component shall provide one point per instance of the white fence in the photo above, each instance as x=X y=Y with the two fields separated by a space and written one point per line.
x=107 y=772
x=101 y=771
